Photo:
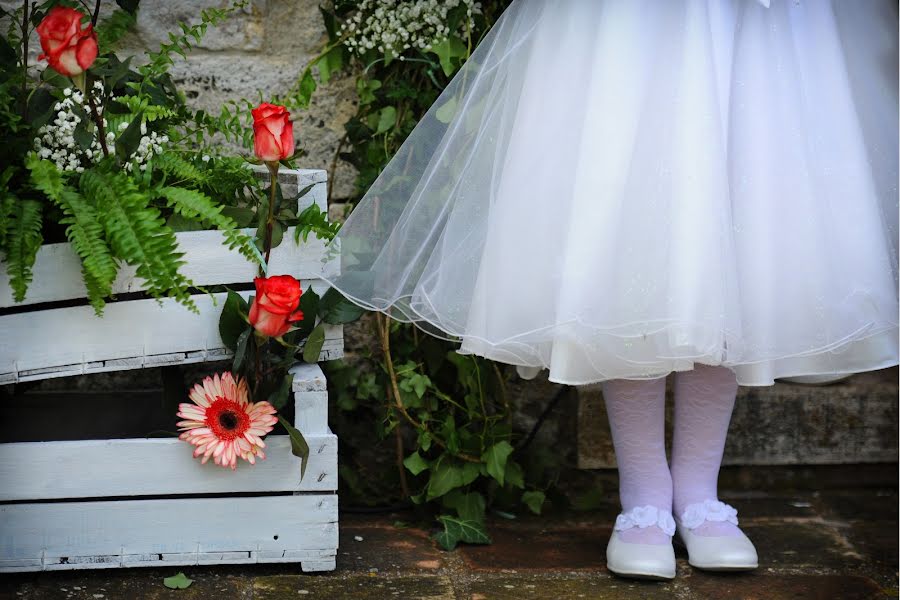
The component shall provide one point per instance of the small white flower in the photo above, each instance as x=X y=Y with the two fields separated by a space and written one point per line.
x=67 y=92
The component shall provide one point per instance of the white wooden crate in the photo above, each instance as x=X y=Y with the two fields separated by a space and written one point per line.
x=148 y=502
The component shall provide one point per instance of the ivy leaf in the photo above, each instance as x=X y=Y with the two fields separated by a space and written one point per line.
x=387 y=118
x=299 y=447
x=448 y=52
x=305 y=89
x=415 y=463
x=331 y=62
x=446 y=111
x=279 y=397
x=495 y=458
x=534 y=501
x=178 y=582
x=469 y=506
x=232 y=321
x=337 y=310
x=314 y=344
x=513 y=475
x=461 y=530
x=449 y=475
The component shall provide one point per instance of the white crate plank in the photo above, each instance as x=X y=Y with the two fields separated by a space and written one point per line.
x=111 y=534
x=64 y=340
x=311 y=411
x=57 y=270
x=155 y=467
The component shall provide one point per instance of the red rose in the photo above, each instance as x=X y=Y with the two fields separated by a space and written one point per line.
x=275 y=306
x=273 y=132
x=68 y=48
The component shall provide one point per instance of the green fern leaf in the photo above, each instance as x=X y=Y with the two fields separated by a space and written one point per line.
x=184 y=173
x=83 y=229
x=195 y=205
x=138 y=234
x=23 y=240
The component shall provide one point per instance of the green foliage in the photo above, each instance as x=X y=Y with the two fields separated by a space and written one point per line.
x=137 y=233
x=461 y=530
x=83 y=229
x=113 y=28
x=178 y=582
x=20 y=228
x=180 y=45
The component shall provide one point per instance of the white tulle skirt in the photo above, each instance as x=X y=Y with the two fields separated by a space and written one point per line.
x=621 y=189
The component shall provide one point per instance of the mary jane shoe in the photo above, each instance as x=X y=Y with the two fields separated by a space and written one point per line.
x=715 y=553
x=642 y=561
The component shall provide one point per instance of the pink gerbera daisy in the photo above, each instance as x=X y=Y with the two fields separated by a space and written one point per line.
x=223 y=423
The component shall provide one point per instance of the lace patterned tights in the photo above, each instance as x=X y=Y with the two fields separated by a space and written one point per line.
x=704 y=399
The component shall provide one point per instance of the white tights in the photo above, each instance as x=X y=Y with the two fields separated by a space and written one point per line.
x=704 y=399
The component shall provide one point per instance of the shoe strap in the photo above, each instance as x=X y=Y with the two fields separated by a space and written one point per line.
x=646 y=516
x=695 y=515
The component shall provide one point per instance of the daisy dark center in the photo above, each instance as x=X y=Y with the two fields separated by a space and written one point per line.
x=227 y=419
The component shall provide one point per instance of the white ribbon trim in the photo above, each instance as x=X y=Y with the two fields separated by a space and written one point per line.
x=646 y=516
x=695 y=515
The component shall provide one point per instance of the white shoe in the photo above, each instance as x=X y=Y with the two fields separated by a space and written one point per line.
x=715 y=553
x=642 y=561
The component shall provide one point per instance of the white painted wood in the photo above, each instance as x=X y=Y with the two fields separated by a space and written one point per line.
x=155 y=467
x=72 y=341
x=75 y=535
x=57 y=269
x=308 y=378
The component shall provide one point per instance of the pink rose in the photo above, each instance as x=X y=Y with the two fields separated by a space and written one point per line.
x=275 y=306
x=68 y=48
x=273 y=132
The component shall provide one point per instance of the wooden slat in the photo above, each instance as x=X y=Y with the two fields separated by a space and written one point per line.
x=77 y=535
x=71 y=341
x=156 y=467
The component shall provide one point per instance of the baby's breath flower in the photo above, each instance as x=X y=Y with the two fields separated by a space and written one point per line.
x=394 y=26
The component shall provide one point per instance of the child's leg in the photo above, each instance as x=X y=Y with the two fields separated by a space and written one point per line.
x=704 y=399
x=636 y=412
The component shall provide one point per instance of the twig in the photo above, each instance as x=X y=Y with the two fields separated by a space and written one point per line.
x=550 y=406
x=384 y=334
x=96 y=14
x=98 y=120
x=333 y=169
x=404 y=486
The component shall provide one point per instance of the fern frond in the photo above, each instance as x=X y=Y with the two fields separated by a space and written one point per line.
x=22 y=241
x=83 y=229
x=197 y=206
x=138 y=234
x=181 y=170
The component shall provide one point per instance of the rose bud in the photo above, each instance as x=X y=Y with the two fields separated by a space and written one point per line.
x=273 y=132
x=275 y=306
x=68 y=48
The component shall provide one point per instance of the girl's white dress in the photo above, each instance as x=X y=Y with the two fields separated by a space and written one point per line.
x=621 y=189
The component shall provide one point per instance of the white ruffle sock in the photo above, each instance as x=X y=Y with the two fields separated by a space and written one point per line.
x=636 y=411
x=704 y=400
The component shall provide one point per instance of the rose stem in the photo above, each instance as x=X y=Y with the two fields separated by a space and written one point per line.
x=101 y=133
x=273 y=178
x=96 y=14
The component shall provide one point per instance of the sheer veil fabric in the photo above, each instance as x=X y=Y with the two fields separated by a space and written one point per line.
x=621 y=189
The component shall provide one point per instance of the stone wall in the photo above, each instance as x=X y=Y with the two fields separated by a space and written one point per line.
x=262 y=49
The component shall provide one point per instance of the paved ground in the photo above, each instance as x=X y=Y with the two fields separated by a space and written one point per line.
x=838 y=545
